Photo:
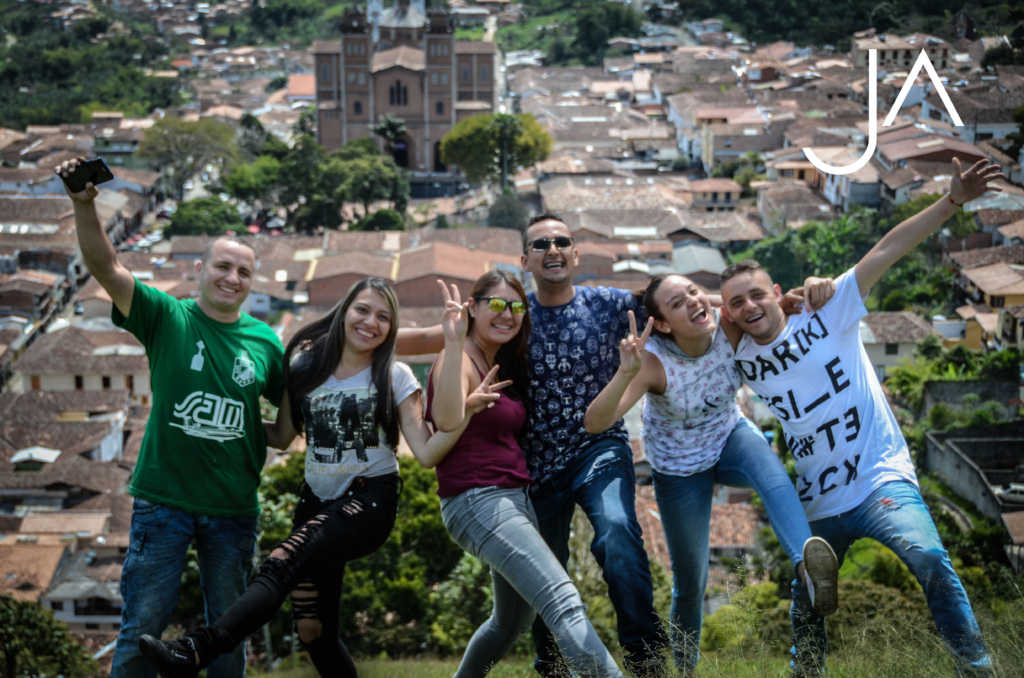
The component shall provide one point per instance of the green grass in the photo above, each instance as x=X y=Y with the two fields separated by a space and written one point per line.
x=469 y=33
x=529 y=36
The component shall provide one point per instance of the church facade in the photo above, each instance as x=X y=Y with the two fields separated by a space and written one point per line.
x=404 y=61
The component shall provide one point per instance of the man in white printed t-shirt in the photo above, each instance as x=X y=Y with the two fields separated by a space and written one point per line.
x=855 y=475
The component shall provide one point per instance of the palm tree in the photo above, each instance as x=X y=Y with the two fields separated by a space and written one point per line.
x=391 y=129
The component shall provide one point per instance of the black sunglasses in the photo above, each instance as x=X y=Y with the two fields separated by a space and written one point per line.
x=498 y=305
x=543 y=244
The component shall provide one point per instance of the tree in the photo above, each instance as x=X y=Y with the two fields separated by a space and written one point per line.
x=507 y=212
x=34 y=643
x=475 y=145
x=381 y=220
x=254 y=181
x=357 y=148
x=389 y=128
x=205 y=216
x=185 y=147
x=305 y=126
x=441 y=222
x=370 y=180
x=300 y=171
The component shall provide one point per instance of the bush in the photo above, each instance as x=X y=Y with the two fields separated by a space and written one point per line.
x=34 y=643
x=506 y=212
x=680 y=163
x=205 y=216
x=381 y=220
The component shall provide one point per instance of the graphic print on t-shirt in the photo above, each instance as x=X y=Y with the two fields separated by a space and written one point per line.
x=340 y=422
x=209 y=416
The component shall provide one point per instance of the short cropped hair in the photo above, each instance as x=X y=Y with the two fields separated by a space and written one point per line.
x=208 y=250
x=547 y=216
x=739 y=268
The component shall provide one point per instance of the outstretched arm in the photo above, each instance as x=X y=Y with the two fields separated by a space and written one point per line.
x=419 y=340
x=281 y=432
x=964 y=187
x=638 y=372
x=97 y=251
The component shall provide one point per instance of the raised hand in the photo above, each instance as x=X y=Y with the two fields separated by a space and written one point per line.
x=64 y=170
x=972 y=184
x=486 y=394
x=631 y=349
x=455 y=319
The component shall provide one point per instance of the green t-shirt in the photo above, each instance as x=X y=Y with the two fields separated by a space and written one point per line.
x=204 y=445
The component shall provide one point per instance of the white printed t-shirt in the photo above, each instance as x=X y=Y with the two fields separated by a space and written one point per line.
x=817 y=379
x=343 y=440
x=686 y=428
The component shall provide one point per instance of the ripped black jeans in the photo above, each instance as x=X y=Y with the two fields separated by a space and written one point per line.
x=327 y=535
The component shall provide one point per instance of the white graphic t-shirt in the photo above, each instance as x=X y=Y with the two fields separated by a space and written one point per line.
x=343 y=440
x=686 y=427
x=817 y=379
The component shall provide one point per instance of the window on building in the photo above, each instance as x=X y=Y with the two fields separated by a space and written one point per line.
x=728 y=197
x=145 y=400
x=892 y=349
x=129 y=382
x=800 y=175
x=440 y=108
x=434 y=78
x=483 y=74
x=35 y=382
x=465 y=74
x=983 y=136
x=398 y=94
x=433 y=49
x=56 y=604
x=79 y=382
x=997 y=302
x=444 y=78
x=106 y=383
x=351 y=78
x=357 y=107
x=714 y=196
x=362 y=78
x=325 y=73
x=348 y=48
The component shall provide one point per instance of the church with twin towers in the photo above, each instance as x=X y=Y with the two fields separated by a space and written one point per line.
x=403 y=60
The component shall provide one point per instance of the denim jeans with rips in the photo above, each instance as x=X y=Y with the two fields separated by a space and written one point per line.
x=601 y=480
x=158 y=545
x=897 y=517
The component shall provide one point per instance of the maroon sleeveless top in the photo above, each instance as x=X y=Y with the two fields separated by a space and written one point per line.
x=487 y=453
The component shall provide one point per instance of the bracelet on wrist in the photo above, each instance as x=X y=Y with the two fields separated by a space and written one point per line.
x=950 y=198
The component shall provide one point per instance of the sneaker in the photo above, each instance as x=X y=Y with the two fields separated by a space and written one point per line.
x=174 y=659
x=821 y=574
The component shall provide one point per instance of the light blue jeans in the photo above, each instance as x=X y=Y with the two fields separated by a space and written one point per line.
x=158 y=545
x=896 y=516
x=499 y=526
x=685 y=507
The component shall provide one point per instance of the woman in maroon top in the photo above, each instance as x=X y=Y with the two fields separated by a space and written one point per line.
x=483 y=480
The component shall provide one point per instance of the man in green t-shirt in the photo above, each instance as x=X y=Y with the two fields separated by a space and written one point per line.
x=204 y=446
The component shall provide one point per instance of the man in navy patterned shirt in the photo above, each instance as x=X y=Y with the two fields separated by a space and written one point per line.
x=573 y=355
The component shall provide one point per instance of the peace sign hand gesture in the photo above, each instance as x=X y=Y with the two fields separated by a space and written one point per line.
x=455 y=319
x=631 y=349
x=486 y=394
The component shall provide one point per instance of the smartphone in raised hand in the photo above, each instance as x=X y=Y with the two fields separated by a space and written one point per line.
x=95 y=172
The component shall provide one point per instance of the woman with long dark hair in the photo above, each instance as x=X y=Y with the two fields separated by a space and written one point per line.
x=483 y=481
x=347 y=393
x=695 y=436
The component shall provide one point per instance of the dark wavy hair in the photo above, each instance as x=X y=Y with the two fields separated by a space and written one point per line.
x=322 y=343
x=511 y=357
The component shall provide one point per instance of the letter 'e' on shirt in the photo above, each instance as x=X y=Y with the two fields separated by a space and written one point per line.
x=817 y=379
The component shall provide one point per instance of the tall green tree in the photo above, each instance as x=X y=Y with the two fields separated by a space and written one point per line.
x=34 y=643
x=389 y=128
x=185 y=147
x=205 y=216
x=481 y=146
x=254 y=181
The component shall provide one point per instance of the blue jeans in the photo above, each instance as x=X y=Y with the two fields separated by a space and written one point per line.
x=158 y=545
x=498 y=526
x=896 y=516
x=601 y=480
x=685 y=507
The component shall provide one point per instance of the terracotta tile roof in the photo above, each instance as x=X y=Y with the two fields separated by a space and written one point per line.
x=568 y=194
x=998 y=217
x=9 y=524
x=26 y=175
x=135 y=176
x=997 y=279
x=1017 y=310
x=1015 y=526
x=49 y=405
x=649 y=517
x=35 y=209
x=983 y=256
x=70 y=437
x=116 y=503
x=736 y=226
x=709 y=185
x=326 y=47
x=74 y=351
x=906 y=149
x=76 y=471
x=64 y=522
x=26 y=570
x=896 y=328
x=734 y=526
x=111 y=540
x=604 y=222
x=346 y=263
x=302 y=85
x=366 y=241
x=488 y=239
x=1012 y=230
x=402 y=56
x=452 y=261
